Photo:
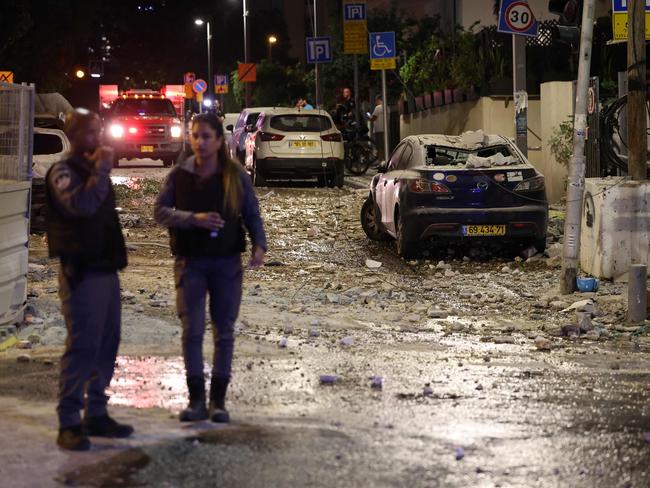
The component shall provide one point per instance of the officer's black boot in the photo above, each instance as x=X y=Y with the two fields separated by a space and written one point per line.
x=196 y=409
x=105 y=426
x=218 y=412
x=73 y=439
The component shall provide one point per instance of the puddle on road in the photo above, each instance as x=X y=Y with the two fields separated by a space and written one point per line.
x=149 y=382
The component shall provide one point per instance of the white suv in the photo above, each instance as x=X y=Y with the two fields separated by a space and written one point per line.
x=289 y=143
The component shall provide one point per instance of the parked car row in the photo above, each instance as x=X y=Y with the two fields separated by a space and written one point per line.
x=288 y=144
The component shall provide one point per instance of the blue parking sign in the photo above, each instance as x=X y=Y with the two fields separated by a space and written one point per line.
x=319 y=50
x=382 y=45
x=354 y=11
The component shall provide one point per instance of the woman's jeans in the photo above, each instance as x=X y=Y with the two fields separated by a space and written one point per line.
x=221 y=278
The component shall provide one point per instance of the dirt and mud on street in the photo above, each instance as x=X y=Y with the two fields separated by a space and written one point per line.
x=353 y=368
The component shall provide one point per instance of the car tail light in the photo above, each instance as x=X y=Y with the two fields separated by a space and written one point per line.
x=426 y=186
x=133 y=130
x=116 y=131
x=331 y=137
x=531 y=184
x=176 y=131
x=270 y=136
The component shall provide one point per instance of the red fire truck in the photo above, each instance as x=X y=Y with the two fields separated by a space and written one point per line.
x=143 y=123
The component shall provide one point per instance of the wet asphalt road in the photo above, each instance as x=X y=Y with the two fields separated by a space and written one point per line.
x=458 y=408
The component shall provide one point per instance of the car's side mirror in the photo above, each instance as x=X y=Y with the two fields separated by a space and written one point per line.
x=229 y=127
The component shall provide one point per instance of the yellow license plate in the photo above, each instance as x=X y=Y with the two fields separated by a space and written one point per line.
x=302 y=144
x=484 y=230
x=147 y=149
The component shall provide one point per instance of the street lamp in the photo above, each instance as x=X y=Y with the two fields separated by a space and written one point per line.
x=210 y=81
x=272 y=40
x=80 y=73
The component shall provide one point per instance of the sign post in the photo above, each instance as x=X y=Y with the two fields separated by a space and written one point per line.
x=199 y=87
x=319 y=50
x=516 y=18
x=355 y=40
x=382 y=57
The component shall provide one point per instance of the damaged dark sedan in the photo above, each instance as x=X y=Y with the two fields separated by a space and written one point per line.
x=442 y=189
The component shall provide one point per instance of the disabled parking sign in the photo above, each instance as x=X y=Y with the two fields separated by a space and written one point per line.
x=382 y=50
x=516 y=17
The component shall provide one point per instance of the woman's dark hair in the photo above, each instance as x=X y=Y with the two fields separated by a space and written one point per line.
x=232 y=185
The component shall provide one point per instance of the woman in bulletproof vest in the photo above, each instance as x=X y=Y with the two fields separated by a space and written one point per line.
x=208 y=202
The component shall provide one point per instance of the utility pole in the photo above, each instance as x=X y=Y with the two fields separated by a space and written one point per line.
x=210 y=77
x=519 y=87
x=637 y=138
x=576 y=179
x=247 y=86
x=317 y=67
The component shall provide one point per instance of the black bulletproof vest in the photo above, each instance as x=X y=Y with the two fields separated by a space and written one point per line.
x=95 y=241
x=205 y=195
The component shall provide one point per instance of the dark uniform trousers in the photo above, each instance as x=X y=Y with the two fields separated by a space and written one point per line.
x=221 y=278
x=91 y=309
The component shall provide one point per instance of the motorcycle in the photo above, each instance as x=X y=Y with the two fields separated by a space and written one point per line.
x=360 y=149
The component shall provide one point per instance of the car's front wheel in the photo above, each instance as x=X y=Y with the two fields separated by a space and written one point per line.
x=370 y=221
x=168 y=162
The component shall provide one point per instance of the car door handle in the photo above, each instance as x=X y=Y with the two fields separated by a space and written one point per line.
x=395 y=180
x=385 y=182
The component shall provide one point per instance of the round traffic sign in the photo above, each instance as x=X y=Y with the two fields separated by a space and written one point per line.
x=199 y=86
x=591 y=100
x=519 y=17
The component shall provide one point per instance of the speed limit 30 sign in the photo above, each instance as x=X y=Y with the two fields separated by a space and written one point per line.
x=516 y=17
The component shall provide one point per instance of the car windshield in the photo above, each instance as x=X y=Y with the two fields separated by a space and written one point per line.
x=451 y=156
x=301 y=123
x=144 y=106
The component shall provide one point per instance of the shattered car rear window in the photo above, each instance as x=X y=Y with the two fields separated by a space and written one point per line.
x=451 y=156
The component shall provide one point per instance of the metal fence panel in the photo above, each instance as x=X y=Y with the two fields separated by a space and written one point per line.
x=16 y=131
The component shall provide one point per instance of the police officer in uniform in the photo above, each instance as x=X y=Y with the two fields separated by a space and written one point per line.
x=83 y=231
x=207 y=202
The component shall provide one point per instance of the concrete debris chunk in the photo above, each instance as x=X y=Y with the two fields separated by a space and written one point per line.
x=283 y=342
x=347 y=341
x=372 y=264
x=427 y=391
x=24 y=358
x=314 y=332
x=592 y=335
x=328 y=379
x=460 y=453
x=543 y=344
x=376 y=382
x=24 y=345
x=529 y=252
x=586 y=305
x=436 y=313
x=646 y=437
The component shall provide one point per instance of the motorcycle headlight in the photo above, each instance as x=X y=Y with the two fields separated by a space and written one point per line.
x=176 y=130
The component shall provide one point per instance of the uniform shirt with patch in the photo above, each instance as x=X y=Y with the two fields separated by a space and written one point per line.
x=71 y=194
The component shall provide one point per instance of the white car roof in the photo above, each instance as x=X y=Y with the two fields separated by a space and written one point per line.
x=295 y=111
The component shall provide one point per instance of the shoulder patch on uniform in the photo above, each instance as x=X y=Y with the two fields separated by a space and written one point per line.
x=62 y=179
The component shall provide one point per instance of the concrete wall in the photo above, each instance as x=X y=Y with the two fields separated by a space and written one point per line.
x=496 y=116
x=557 y=106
